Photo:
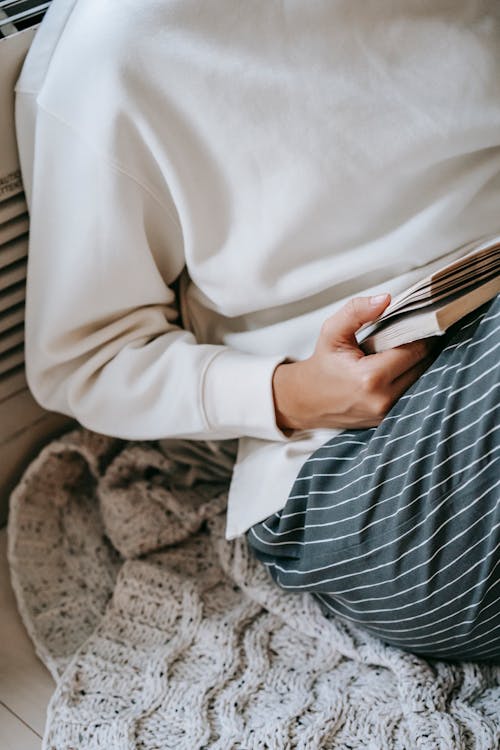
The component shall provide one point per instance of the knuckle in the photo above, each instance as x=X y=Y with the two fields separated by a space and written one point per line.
x=382 y=405
x=351 y=307
x=371 y=380
x=352 y=304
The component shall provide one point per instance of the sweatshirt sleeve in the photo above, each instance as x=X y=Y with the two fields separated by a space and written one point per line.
x=103 y=342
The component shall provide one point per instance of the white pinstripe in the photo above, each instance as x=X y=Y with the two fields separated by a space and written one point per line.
x=380 y=502
x=472 y=403
x=426 y=437
x=419 y=565
x=330 y=458
x=329 y=606
x=430 y=414
x=429 y=373
x=344 y=473
x=364 y=511
x=425 y=598
x=469 y=640
x=452 y=347
x=418 y=601
x=474 y=605
x=421 y=393
x=450 y=367
x=495 y=616
x=372 y=455
x=382 y=546
x=397 y=438
x=346 y=442
x=312 y=493
x=376 y=623
x=414 y=413
x=481 y=653
x=463 y=387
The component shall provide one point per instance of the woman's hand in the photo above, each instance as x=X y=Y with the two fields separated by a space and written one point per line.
x=340 y=386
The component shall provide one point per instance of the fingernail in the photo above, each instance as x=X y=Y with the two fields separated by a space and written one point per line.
x=378 y=299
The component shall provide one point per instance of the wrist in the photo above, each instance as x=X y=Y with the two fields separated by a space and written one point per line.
x=287 y=388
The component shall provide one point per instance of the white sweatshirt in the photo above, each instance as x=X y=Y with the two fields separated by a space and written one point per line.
x=280 y=157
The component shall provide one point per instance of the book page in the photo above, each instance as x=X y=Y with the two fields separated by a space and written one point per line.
x=431 y=321
x=471 y=261
x=448 y=291
x=480 y=258
x=473 y=264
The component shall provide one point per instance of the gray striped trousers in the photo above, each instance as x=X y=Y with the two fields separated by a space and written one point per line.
x=397 y=528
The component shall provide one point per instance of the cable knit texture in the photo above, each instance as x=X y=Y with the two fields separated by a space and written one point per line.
x=161 y=634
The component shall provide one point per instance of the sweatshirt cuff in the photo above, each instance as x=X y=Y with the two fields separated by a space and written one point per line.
x=237 y=395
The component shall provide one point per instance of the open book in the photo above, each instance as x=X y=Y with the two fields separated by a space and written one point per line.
x=433 y=304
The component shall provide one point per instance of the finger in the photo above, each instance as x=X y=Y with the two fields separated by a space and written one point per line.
x=396 y=361
x=406 y=380
x=340 y=327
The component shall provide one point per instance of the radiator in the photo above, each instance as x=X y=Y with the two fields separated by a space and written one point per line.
x=24 y=425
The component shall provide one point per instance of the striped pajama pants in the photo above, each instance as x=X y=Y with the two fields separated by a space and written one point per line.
x=397 y=528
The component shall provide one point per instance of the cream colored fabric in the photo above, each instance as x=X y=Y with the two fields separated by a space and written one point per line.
x=162 y=634
x=276 y=158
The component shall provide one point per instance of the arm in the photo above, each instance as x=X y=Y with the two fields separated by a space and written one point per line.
x=102 y=339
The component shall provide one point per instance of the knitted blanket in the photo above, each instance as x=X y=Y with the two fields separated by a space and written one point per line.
x=161 y=634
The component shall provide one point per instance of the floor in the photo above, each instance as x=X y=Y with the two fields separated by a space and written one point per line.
x=25 y=685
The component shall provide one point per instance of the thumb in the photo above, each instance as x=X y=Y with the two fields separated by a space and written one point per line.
x=342 y=325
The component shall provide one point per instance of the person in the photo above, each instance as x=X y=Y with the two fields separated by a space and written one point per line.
x=220 y=194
